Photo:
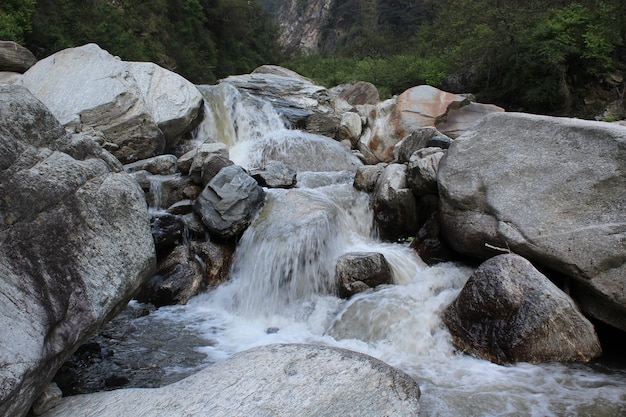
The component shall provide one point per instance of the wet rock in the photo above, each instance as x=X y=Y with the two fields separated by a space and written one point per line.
x=75 y=244
x=166 y=231
x=229 y=201
x=275 y=174
x=303 y=380
x=358 y=271
x=325 y=124
x=215 y=260
x=304 y=152
x=208 y=159
x=395 y=208
x=15 y=58
x=181 y=207
x=367 y=176
x=293 y=96
x=161 y=191
x=177 y=278
x=429 y=245
x=422 y=171
x=550 y=189
x=509 y=312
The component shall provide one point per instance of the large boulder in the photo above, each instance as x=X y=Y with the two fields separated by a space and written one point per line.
x=509 y=312
x=418 y=107
x=294 y=97
x=275 y=380
x=15 y=58
x=75 y=244
x=141 y=108
x=552 y=190
x=229 y=202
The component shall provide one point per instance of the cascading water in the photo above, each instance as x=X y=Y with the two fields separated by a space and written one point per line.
x=281 y=291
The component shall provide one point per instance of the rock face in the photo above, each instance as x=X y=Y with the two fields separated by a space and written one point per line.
x=395 y=208
x=15 y=58
x=552 y=190
x=229 y=201
x=509 y=312
x=141 y=108
x=358 y=271
x=275 y=380
x=75 y=244
x=301 y=23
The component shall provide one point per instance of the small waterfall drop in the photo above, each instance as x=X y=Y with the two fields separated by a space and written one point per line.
x=282 y=291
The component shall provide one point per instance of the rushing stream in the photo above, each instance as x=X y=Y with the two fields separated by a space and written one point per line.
x=281 y=292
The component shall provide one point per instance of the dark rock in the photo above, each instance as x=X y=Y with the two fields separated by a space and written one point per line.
x=166 y=231
x=509 y=312
x=229 y=201
x=395 y=208
x=428 y=243
x=358 y=271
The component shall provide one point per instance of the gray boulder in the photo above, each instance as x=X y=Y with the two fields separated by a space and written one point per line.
x=275 y=380
x=15 y=58
x=141 y=108
x=157 y=165
x=229 y=202
x=552 y=190
x=366 y=177
x=356 y=272
x=422 y=171
x=426 y=137
x=395 y=208
x=275 y=174
x=509 y=312
x=75 y=244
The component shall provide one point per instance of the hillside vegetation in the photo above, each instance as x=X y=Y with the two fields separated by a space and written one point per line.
x=533 y=55
x=201 y=39
x=544 y=56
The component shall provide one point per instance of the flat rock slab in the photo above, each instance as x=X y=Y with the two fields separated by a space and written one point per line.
x=275 y=380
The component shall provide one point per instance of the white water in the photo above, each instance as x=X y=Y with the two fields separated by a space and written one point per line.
x=281 y=292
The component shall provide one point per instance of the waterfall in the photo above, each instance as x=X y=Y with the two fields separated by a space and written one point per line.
x=282 y=290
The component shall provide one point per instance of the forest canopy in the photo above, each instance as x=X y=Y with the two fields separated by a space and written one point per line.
x=200 y=39
x=545 y=56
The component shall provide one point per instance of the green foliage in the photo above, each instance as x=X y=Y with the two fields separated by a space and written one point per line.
x=15 y=16
x=535 y=55
x=391 y=75
x=200 y=39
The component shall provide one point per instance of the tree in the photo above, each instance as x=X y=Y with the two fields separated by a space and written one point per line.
x=15 y=19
